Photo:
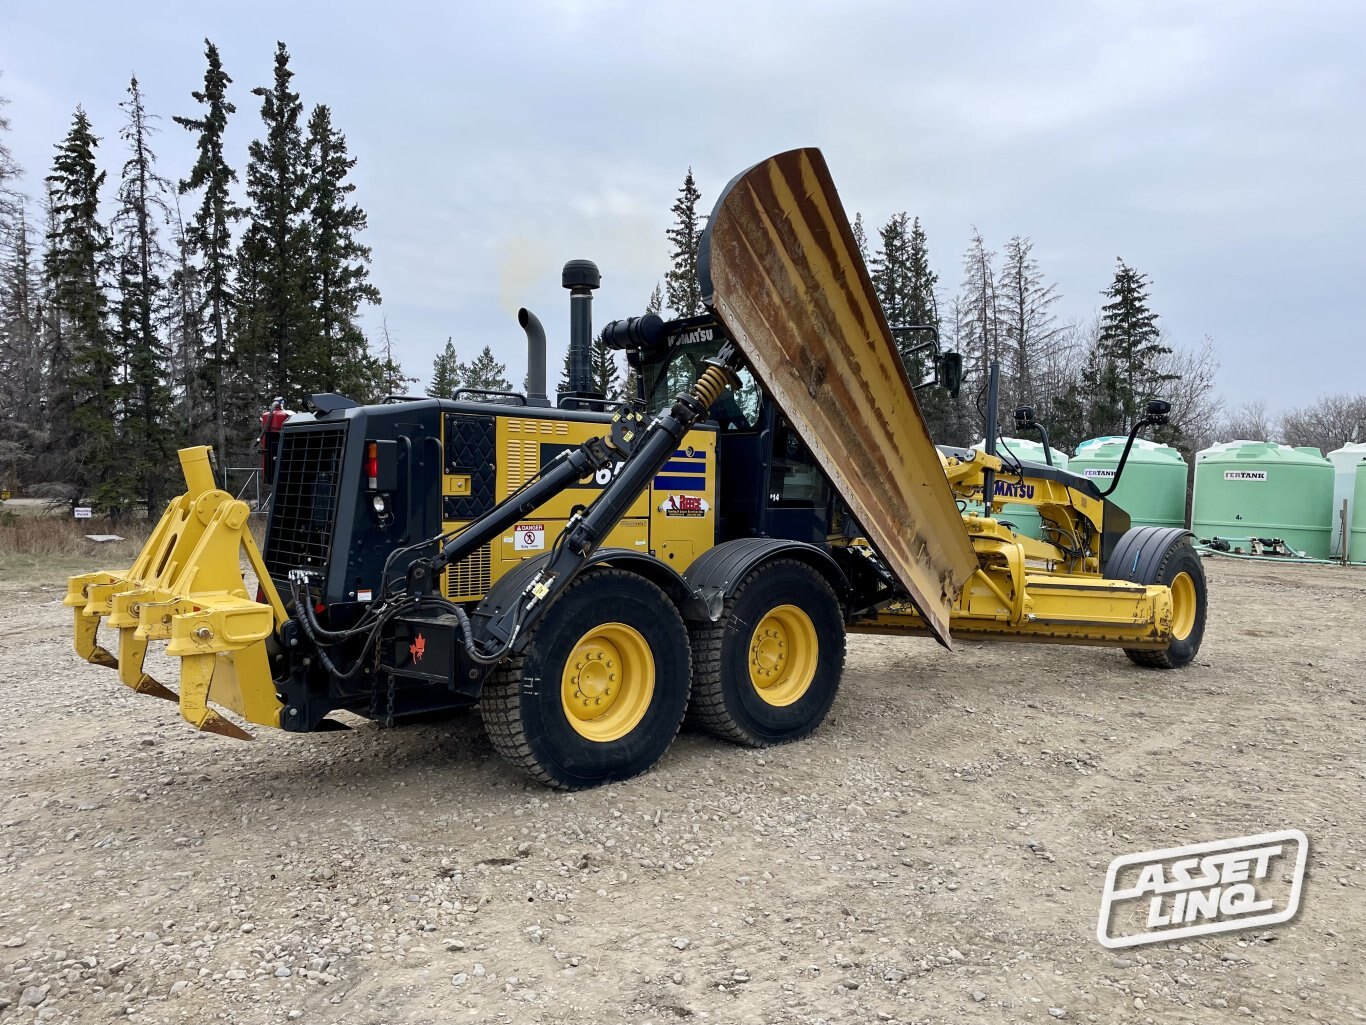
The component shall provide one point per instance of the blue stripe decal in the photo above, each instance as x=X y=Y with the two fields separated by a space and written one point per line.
x=663 y=483
x=685 y=466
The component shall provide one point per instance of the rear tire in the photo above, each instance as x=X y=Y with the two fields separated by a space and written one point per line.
x=600 y=689
x=768 y=670
x=1172 y=562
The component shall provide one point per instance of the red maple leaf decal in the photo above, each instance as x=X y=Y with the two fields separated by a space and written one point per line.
x=418 y=648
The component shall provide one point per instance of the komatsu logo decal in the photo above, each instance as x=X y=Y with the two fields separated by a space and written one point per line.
x=694 y=337
x=1013 y=489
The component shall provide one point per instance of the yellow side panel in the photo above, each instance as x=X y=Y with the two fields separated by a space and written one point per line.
x=675 y=519
x=683 y=502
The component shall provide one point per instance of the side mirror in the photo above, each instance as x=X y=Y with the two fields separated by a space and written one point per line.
x=1158 y=410
x=951 y=372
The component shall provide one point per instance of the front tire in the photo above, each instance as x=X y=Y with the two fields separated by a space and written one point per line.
x=1155 y=556
x=768 y=670
x=599 y=691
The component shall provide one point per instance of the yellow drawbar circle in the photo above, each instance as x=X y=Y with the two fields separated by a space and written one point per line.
x=608 y=682
x=782 y=655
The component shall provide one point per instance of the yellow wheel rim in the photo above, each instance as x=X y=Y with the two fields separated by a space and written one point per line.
x=782 y=655
x=1183 y=606
x=608 y=682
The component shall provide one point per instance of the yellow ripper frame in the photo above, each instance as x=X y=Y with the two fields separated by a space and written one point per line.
x=186 y=587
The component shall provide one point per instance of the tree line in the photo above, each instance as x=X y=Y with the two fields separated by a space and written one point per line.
x=175 y=317
x=1083 y=378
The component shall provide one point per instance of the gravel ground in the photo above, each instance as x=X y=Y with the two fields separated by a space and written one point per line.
x=935 y=853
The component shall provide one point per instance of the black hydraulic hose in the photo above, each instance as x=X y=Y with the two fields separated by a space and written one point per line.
x=1047 y=450
x=1124 y=457
x=993 y=397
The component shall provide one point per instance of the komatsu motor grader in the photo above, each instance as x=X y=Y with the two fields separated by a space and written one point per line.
x=588 y=575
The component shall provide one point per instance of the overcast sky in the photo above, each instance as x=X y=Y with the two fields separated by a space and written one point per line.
x=1217 y=146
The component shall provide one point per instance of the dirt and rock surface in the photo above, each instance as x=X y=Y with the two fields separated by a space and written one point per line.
x=935 y=853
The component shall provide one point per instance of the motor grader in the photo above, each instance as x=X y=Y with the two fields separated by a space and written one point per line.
x=588 y=574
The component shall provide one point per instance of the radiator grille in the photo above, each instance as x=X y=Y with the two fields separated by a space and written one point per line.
x=469 y=579
x=304 y=507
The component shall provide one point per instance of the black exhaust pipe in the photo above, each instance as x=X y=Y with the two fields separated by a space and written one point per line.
x=581 y=277
x=535 y=358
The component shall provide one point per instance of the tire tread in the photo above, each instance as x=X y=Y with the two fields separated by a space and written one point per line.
x=500 y=706
x=707 y=707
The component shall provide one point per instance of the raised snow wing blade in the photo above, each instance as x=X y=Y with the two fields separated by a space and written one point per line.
x=779 y=267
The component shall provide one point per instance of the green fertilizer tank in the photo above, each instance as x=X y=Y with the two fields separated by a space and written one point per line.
x=1357 y=551
x=1152 y=489
x=1260 y=489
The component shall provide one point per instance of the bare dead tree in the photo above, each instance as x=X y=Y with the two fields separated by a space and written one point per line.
x=1250 y=421
x=1329 y=423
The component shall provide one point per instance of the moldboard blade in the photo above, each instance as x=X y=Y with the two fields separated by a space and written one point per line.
x=779 y=267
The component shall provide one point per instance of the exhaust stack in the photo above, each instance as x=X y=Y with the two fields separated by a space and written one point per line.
x=535 y=358
x=581 y=277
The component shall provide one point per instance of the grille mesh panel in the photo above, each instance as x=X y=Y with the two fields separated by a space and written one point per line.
x=304 y=508
x=468 y=580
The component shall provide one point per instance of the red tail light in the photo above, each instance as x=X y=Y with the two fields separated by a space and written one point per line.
x=372 y=464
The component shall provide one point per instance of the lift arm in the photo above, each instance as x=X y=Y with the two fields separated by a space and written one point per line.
x=641 y=455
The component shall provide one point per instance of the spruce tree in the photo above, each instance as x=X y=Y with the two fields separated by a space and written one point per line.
x=22 y=368
x=682 y=290
x=447 y=373
x=1129 y=339
x=276 y=331
x=603 y=372
x=485 y=372
x=891 y=270
x=83 y=363
x=901 y=274
x=564 y=382
x=861 y=238
x=209 y=236
x=656 y=302
x=144 y=428
x=339 y=264
x=921 y=304
x=193 y=397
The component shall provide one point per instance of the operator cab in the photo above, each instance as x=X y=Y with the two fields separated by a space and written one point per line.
x=769 y=483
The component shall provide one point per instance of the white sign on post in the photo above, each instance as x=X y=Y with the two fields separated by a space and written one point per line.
x=81 y=512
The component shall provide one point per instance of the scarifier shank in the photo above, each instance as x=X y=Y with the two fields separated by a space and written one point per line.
x=779 y=267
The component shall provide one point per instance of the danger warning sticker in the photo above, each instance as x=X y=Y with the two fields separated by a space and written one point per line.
x=528 y=537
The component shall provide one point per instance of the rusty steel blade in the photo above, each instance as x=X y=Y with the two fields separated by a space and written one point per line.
x=779 y=267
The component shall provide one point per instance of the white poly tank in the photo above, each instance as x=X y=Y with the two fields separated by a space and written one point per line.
x=1345 y=461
